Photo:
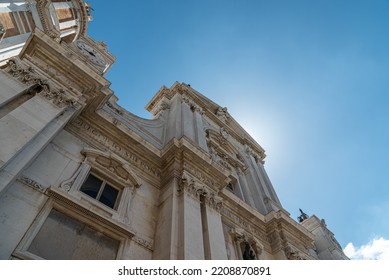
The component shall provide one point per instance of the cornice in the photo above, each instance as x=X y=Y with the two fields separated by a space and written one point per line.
x=29 y=76
x=184 y=155
x=61 y=65
x=147 y=168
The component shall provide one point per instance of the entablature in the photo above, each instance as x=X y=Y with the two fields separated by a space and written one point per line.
x=286 y=235
x=61 y=65
x=97 y=136
x=184 y=155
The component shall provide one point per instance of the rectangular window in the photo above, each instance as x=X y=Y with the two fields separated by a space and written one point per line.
x=100 y=190
x=62 y=237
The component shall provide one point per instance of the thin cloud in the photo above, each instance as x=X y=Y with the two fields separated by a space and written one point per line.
x=376 y=249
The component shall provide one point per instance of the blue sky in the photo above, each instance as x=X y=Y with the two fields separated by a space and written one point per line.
x=308 y=80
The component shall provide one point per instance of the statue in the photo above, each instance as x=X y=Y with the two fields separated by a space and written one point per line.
x=248 y=253
x=302 y=217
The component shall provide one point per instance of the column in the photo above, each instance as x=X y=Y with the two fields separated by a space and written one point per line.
x=268 y=184
x=190 y=233
x=187 y=119
x=214 y=242
x=199 y=128
x=22 y=159
x=21 y=126
x=245 y=189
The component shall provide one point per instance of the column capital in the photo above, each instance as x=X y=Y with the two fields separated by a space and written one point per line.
x=27 y=75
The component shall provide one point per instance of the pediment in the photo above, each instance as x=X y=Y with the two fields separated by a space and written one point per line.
x=112 y=163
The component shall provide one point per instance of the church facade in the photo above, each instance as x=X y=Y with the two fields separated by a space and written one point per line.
x=83 y=178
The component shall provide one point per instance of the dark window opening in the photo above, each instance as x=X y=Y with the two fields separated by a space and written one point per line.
x=100 y=190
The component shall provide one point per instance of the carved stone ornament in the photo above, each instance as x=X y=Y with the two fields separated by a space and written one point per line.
x=223 y=114
x=191 y=187
x=118 y=167
x=239 y=237
x=292 y=254
x=186 y=99
x=26 y=75
x=257 y=158
x=214 y=201
x=67 y=184
x=192 y=105
x=113 y=107
x=145 y=243
x=2 y=30
x=122 y=151
x=32 y=183
x=197 y=190
x=164 y=106
x=224 y=135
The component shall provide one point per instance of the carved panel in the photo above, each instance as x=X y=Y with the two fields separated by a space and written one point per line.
x=149 y=244
x=32 y=183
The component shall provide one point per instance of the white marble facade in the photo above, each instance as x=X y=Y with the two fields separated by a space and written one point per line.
x=82 y=178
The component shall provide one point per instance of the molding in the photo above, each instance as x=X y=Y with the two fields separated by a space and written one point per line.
x=65 y=199
x=117 y=166
x=113 y=146
x=68 y=184
x=27 y=75
x=189 y=185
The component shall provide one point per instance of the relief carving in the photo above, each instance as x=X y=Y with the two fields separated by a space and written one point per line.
x=164 y=106
x=292 y=254
x=117 y=166
x=191 y=187
x=32 y=183
x=224 y=135
x=222 y=114
x=249 y=247
x=214 y=201
x=57 y=97
x=238 y=220
x=193 y=106
x=202 y=177
x=142 y=242
x=27 y=76
x=118 y=149
x=197 y=190
x=113 y=107
x=186 y=99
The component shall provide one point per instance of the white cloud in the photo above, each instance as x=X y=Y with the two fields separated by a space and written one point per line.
x=376 y=249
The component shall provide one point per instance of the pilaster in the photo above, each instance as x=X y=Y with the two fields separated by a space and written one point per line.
x=23 y=123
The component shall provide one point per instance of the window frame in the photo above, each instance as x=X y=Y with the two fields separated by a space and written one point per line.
x=101 y=189
x=66 y=206
x=106 y=167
